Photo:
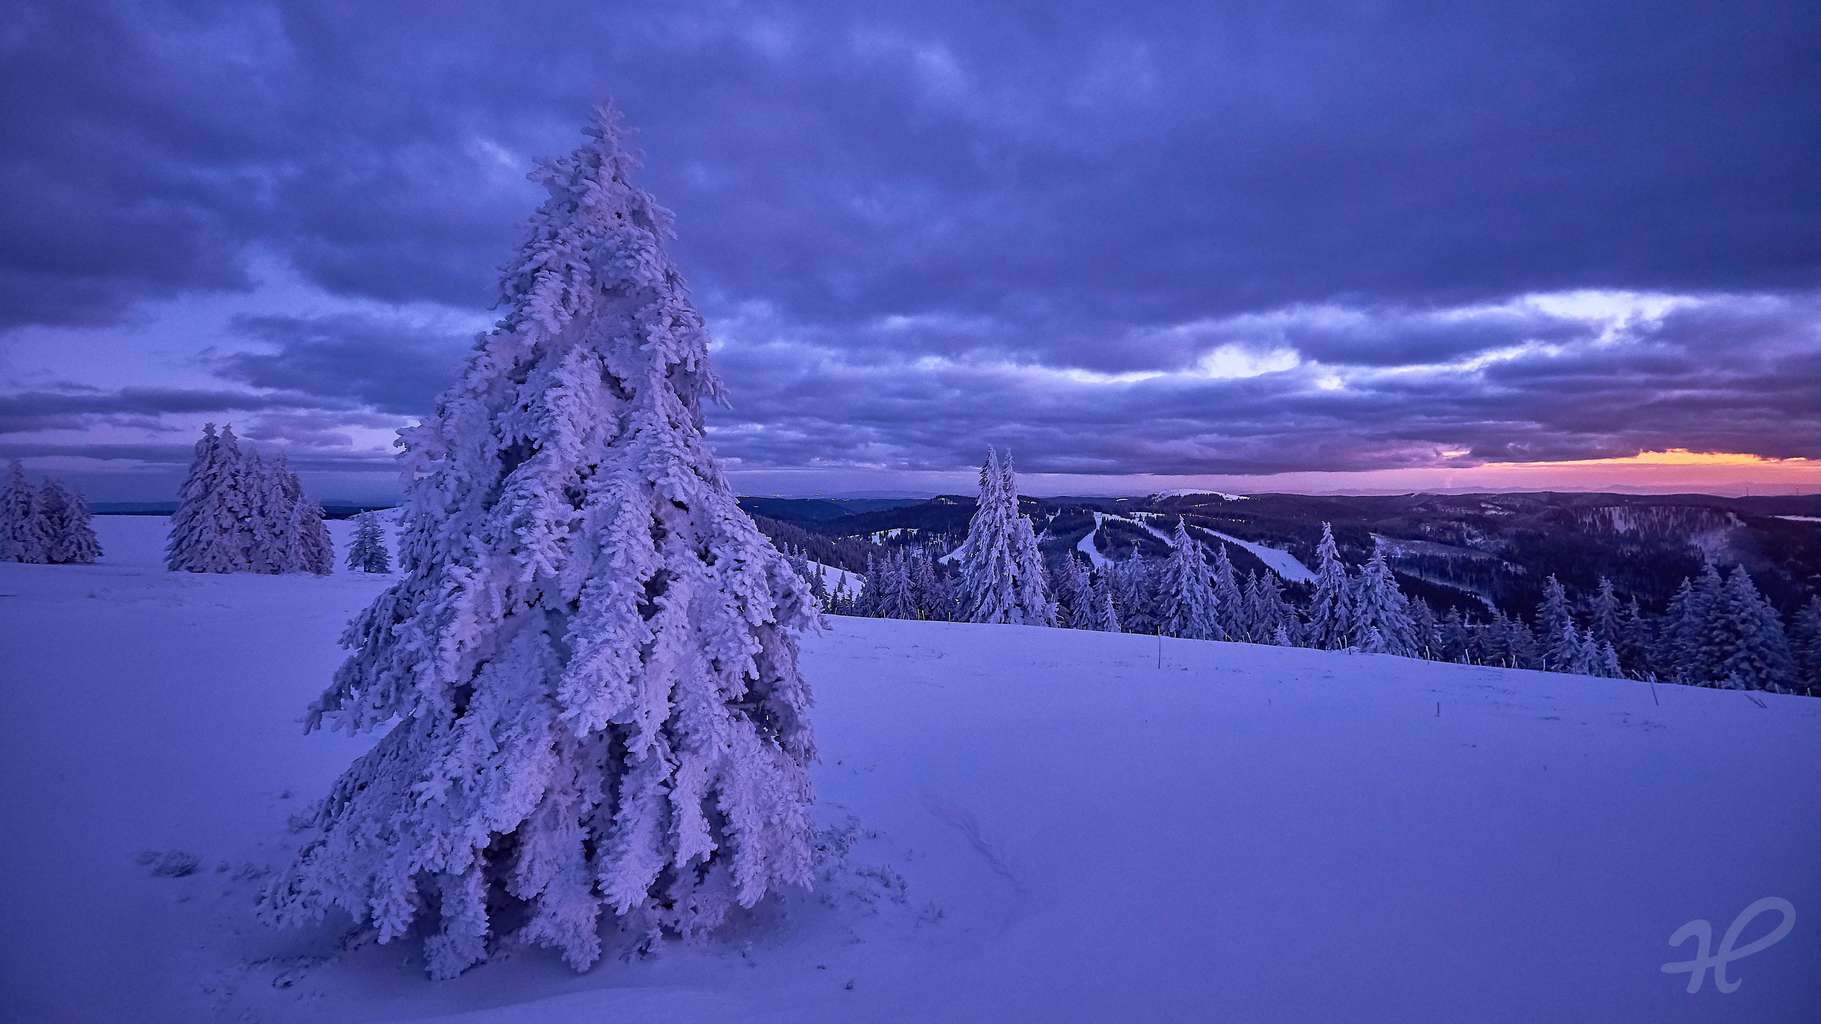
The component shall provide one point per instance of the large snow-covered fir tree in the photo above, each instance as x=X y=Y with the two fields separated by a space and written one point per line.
x=211 y=530
x=1002 y=578
x=69 y=537
x=590 y=656
x=315 y=550
x=367 y=551
x=22 y=528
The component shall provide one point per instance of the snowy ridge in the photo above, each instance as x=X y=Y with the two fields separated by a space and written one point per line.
x=1191 y=492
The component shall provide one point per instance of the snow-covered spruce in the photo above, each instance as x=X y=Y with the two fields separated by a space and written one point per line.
x=1186 y=598
x=22 y=534
x=1330 y=625
x=1002 y=578
x=69 y=537
x=591 y=652
x=1380 y=614
x=238 y=512
x=367 y=552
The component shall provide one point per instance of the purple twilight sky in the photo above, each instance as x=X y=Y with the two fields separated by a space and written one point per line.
x=1347 y=246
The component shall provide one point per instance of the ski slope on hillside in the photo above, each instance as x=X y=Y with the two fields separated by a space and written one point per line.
x=1277 y=560
x=1018 y=824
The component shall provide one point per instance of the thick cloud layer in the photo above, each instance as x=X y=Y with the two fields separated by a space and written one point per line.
x=1158 y=238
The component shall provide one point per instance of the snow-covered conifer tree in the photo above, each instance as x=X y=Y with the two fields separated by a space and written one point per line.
x=1454 y=638
x=1378 y=606
x=1749 y=642
x=1683 y=633
x=1567 y=652
x=1605 y=660
x=1805 y=643
x=1604 y=614
x=927 y=588
x=1229 y=600
x=1106 y=618
x=1077 y=604
x=1424 y=629
x=22 y=527
x=1185 y=595
x=588 y=666
x=1132 y=594
x=212 y=529
x=1029 y=582
x=1330 y=625
x=367 y=552
x=1002 y=576
x=69 y=537
x=1636 y=641
x=1555 y=620
x=892 y=596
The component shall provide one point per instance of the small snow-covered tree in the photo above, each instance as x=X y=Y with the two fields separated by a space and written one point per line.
x=1229 y=600
x=1185 y=595
x=1077 y=603
x=1554 y=621
x=1425 y=629
x=1106 y=617
x=1002 y=577
x=368 y=553
x=1636 y=641
x=69 y=537
x=1454 y=638
x=891 y=590
x=588 y=667
x=22 y=527
x=1683 y=632
x=1330 y=625
x=1378 y=607
x=316 y=550
x=1805 y=643
x=1130 y=583
x=1605 y=614
x=1510 y=643
x=929 y=589
x=1266 y=610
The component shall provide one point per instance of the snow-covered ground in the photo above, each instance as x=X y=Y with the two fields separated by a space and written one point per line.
x=1021 y=824
x=833 y=576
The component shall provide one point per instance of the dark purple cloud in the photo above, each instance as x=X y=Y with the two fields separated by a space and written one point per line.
x=918 y=226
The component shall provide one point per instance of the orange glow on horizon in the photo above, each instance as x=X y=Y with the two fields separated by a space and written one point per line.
x=1679 y=457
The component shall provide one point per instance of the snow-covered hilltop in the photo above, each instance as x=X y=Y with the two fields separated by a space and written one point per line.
x=1013 y=823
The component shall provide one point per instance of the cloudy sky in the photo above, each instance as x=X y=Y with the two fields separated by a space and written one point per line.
x=1352 y=246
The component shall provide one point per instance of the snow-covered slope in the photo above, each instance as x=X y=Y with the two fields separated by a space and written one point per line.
x=1277 y=560
x=834 y=576
x=1020 y=824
